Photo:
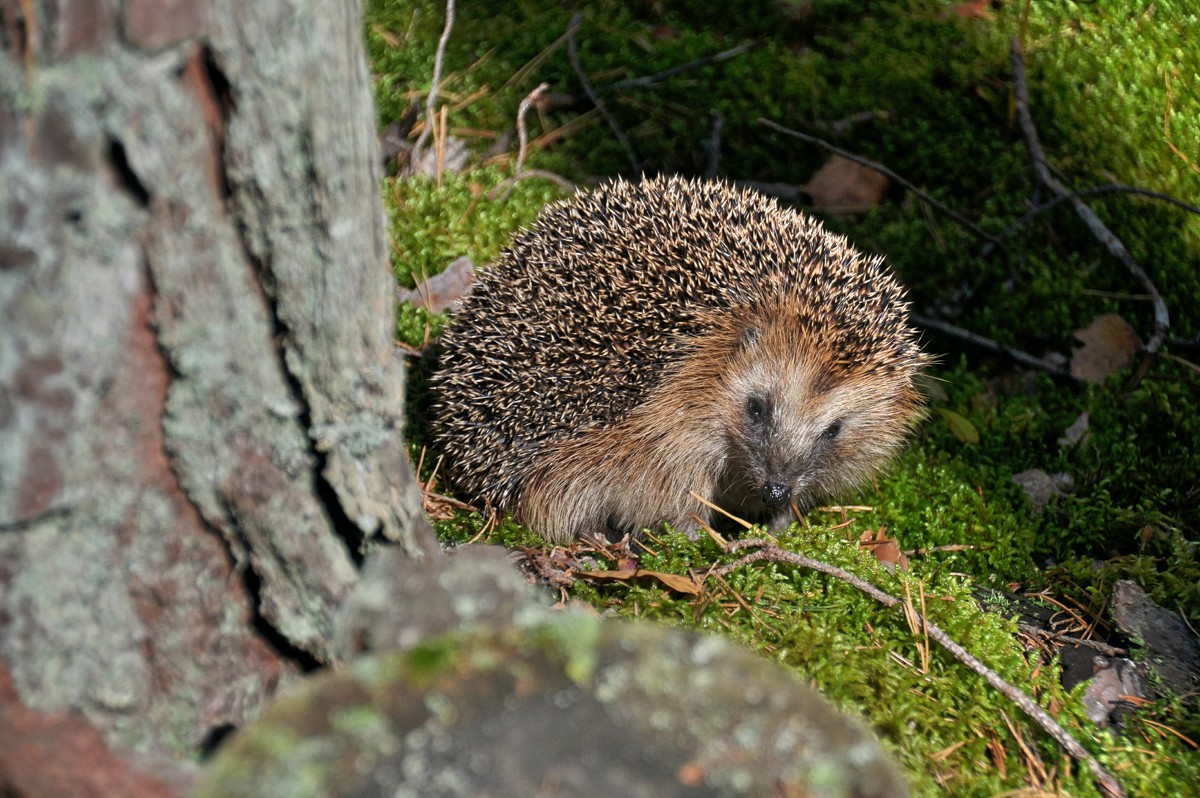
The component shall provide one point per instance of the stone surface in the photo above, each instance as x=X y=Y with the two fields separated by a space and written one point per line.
x=399 y=602
x=558 y=705
x=1114 y=683
x=1172 y=650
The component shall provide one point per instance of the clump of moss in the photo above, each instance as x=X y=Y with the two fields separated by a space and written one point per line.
x=434 y=222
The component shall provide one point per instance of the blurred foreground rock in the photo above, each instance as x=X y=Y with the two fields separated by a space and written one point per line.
x=522 y=700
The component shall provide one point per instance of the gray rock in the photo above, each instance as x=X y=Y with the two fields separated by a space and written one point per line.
x=1172 y=651
x=564 y=704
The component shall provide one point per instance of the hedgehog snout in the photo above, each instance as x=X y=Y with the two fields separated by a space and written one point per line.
x=775 y=494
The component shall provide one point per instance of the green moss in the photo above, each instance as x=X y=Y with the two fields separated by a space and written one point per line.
x=432 y=225
x=1102 y=75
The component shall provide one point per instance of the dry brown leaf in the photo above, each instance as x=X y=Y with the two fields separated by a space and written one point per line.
x=1109 y=345
x=885 y=549
x=843 y=186
x=442 y=290
x=680 y=584
x=974 y=9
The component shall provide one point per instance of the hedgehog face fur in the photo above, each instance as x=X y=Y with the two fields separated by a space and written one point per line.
x=798 y=425
x=649 y=340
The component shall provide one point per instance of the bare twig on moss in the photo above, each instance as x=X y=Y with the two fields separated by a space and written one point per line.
x=1162 y=319
x=1095 y=645
x=522 y=132
x=878 y=167
x=438 y=60
x=768 y=551
x=504 y=188
x=838 y=127
x=1106 y=188
x=659 y=77
x=990 y=345
x=714 y=144
x=573 y=55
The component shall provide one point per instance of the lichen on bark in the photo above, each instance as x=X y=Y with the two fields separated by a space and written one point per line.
x=200 y=407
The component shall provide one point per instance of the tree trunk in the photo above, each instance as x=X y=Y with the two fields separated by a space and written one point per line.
x=200 y=405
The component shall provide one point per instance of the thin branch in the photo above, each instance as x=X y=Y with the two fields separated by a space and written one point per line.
x=659 y=77
x=1106 y=188
x=573 y=55
x=714 y=144
x=29 y=522
x=522 y=133
x=769 y=551
x=1162 y=319
x=438 y=60
x=878 y=167
x=990 y=345
x=505 y=186
x=1095 y=645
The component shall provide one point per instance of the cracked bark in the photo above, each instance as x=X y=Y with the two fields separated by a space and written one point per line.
x=200 y=408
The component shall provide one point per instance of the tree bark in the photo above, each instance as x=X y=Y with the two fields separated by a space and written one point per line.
x=200 y=405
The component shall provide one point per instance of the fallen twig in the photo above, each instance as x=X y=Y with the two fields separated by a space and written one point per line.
x=659 y=77
x=767 y=550
x=438 y=60
x=1106 y=188
x=573 y=55
x=1058 y=637
x=1162 y=319
x=714 y=144
x=522 y=133
x=878 y=167
x=504 y=187
x=990 y=345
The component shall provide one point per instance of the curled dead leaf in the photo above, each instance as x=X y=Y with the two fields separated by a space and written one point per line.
x=843 y=186
x=1109 y=345
x=885 y=549
x=443 y=290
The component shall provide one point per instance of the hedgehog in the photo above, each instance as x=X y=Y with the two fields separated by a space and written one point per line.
x=652 y=340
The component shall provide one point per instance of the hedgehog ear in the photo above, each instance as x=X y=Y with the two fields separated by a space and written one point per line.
x=749 y=337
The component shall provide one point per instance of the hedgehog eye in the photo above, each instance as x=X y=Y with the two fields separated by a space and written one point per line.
x=832 y=431
x=756 y=409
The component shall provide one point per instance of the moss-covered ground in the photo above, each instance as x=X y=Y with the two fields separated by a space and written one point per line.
x=1115 y=93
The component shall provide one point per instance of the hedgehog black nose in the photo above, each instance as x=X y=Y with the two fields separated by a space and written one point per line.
x=775 y=494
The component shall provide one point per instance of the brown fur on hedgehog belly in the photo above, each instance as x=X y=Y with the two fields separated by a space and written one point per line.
x=648 y=340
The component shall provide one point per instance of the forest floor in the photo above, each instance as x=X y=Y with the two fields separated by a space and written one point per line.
x=1059 y=455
